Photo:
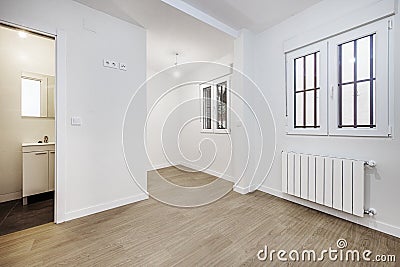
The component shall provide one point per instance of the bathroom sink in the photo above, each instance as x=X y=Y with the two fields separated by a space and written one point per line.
x=38 y=144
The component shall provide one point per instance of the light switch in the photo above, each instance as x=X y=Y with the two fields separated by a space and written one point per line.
x=76 y=121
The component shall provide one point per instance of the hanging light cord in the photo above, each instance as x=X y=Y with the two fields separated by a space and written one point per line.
x=176 y=59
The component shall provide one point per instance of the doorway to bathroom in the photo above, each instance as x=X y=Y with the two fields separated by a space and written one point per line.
x=27 y=119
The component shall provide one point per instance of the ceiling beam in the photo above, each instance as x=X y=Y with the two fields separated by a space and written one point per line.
x=200 y=15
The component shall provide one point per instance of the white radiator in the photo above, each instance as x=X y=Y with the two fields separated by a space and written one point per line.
x=333 y=182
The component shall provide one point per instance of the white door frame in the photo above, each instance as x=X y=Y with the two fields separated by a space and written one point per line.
x=61 y=126
x=60 y=116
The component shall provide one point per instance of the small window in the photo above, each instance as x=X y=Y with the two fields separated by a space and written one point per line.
x=37 y=95
x=359 y=77
x=207 y=108
x=357 y=101
x=215 y=106
x=356 y=83
x=222 y=105
x=30 y=97
x=307 y=90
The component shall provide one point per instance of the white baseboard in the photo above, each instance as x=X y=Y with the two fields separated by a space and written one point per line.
x=160 y=166
x=366 y=221
x=224 y=176
x=10 y=196
x=241 y=190
x=253 y=188
x=103 y=207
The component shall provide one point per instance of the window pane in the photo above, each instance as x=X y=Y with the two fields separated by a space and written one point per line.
x=373 y=54
x=347 y=61
x=318 y=77
x=207 y=108
x=299 y=109
x=348 y=105
x=363 y=103
x=363 y=58
x=299 y=79
x=222 y=105
x=310 y=97
x=364 y=109
x=374 y=103
x=310 y=67
x=318 y=121
x=30 y=98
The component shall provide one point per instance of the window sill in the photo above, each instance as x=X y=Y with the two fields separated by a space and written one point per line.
x=227 y=131
x=307 y=131
x=361 y=133
x=343 y=133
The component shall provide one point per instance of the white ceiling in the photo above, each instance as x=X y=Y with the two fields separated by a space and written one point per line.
x=254 y=15
x=168 y=31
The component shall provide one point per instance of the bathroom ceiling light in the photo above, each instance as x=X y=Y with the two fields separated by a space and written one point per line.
x=22 y=34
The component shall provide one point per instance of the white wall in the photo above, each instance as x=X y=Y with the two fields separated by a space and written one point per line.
x=96 y=177
x=173 y=104
x=208 y=152
x=174 y=126
x=381 y=186
x=235 y=156
x=33 y=54
x=162 y=121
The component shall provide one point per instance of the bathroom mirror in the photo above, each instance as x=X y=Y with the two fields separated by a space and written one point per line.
x=37 y=95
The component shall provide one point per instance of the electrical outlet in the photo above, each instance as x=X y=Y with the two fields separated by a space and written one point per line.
x=106 y=63
x=122 y=66
x=114 y=64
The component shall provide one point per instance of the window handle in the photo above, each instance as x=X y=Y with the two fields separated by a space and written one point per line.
x=332 y=89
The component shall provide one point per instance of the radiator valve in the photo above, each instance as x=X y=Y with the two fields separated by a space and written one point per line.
x=371 y=212
x=371 y=163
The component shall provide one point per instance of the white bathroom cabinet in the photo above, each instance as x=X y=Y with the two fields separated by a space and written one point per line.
x=52 y=169
x=38 y=173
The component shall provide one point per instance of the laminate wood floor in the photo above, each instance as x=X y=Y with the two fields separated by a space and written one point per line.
x=228 y=232
x=183 y=176
x=183 y=187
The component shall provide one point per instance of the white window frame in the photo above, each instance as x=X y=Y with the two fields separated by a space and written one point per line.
x=381 y=31
x=202 y=87
x=322 y=48
x=329 y=105
x=213 y=85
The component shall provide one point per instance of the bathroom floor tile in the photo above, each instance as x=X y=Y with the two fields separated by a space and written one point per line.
x=16 y=217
